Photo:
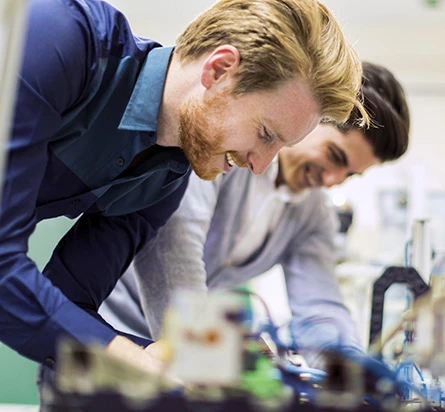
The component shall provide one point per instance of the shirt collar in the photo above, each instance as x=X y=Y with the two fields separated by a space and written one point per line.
x=283 y=192
x=141 y=113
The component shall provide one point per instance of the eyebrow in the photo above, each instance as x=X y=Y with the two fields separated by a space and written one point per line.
x=337 y=155
x=267 y=124
x=265 y=130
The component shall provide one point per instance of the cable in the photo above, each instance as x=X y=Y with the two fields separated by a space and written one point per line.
x=253 y=294
x=269 y=327
x=407 y=245
x=377 y=368
x=317 y=375
x=416 y=368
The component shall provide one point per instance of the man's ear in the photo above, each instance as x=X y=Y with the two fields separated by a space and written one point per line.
x=220 y=66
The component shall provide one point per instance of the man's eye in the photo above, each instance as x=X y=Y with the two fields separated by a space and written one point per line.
x=333 y=156
x=337 y=157
x=265 y=135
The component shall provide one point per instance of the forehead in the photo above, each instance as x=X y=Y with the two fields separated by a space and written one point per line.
x=290 y=110
x=358 y=150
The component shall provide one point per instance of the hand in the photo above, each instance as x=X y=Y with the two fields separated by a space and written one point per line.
x=146 y=359
x=160 y=354
x=160 y=350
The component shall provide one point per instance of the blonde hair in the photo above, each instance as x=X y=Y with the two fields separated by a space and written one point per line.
x=279 y=40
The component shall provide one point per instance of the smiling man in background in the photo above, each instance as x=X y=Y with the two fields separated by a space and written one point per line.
x=228 y=231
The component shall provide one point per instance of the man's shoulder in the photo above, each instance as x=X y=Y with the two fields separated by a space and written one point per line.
x=106 y=26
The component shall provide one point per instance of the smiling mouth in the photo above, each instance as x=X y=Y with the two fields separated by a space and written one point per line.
x=228 y=163
x=230 y=160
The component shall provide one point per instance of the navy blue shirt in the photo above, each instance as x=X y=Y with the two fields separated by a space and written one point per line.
x=88 y=100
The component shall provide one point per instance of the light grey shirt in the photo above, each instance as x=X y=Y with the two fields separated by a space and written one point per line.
x=193 y=251
x=263 y=206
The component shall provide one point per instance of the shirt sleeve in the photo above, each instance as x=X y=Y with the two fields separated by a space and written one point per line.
x=89 y=260
x=175 y=258
x=57 y=64
x=319 y=318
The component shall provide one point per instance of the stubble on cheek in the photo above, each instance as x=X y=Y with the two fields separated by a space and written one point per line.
x=201 y=139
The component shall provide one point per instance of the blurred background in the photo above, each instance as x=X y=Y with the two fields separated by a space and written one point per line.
x=407 y=36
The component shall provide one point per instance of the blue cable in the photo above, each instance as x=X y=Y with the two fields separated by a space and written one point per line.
x=407 y=244
x=371 y=401
x=317 y=375
x=372 y=365
x=412 y=364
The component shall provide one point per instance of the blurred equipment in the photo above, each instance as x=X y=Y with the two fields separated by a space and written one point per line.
x=432 y=3
x=203 y=333
x=84 y=371
x=391 y=275
x=235 y=367
x=420 y=256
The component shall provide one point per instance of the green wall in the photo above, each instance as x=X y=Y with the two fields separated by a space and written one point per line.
x=17 y=374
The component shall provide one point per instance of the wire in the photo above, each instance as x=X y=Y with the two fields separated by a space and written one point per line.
x=415 y=389
x=371 y=400
x=255 y=295
x=368 y=363
x=268 y=327
x=416 y=368
x=407 y=245
x=317 y=375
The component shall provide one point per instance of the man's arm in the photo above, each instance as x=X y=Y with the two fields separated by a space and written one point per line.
x=320 y=319
x=174 y=259
x=91 y=257
x=58 y=63
x=30 y=305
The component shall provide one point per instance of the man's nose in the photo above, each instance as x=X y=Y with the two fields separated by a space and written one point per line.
x=258 y=162
x=333 y=177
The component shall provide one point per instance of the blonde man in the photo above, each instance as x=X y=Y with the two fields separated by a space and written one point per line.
x=108 y=127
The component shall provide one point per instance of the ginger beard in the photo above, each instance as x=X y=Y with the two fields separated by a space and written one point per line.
x=202 y=136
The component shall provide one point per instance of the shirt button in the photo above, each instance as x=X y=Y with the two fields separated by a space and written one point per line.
x=75 y=201
x=50 y=361
x=120 y=161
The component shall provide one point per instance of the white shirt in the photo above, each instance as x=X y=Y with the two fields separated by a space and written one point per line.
x=264 y=207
